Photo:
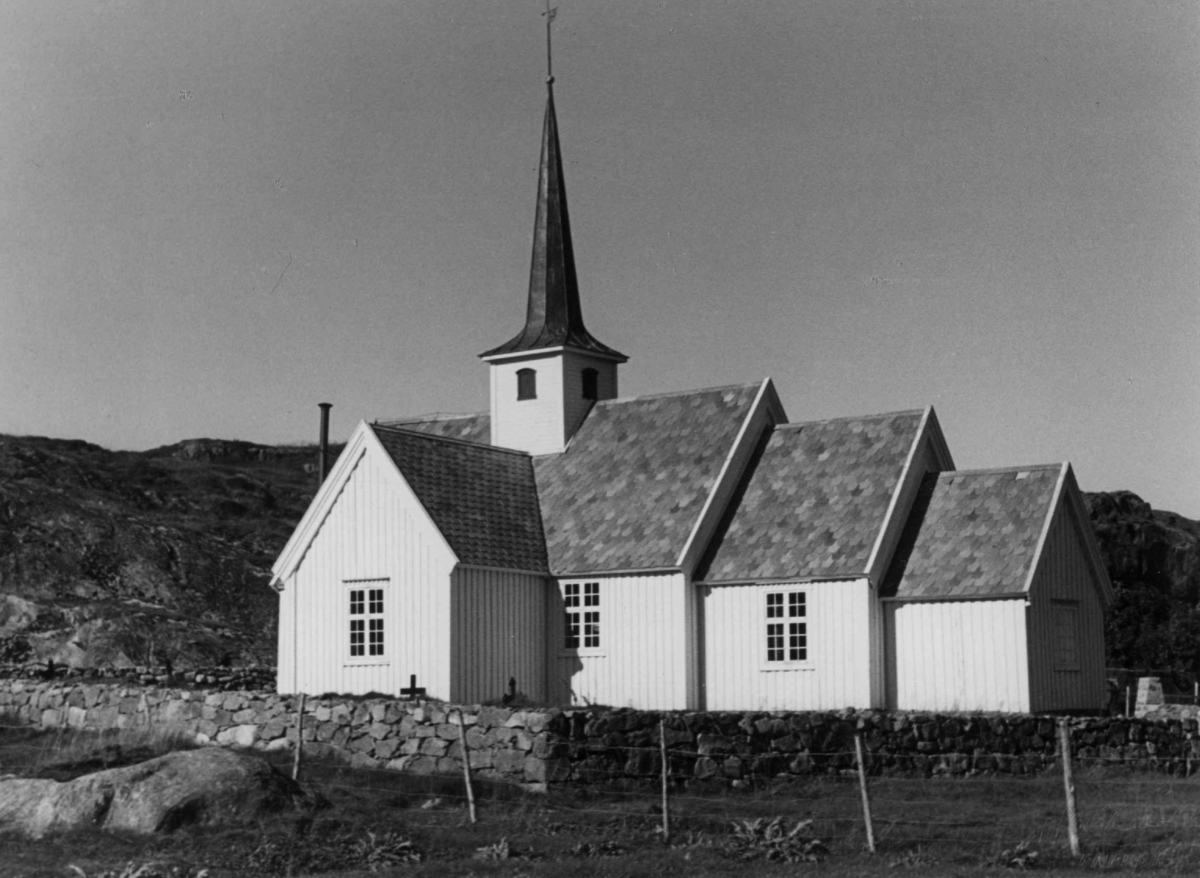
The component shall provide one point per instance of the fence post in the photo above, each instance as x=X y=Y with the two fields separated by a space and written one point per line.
x=299 y=737
x=1064 y=739
x=466 y=760
x=866 y=798
x=666 y=769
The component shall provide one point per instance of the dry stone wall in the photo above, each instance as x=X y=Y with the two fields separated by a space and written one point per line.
x=585 y=746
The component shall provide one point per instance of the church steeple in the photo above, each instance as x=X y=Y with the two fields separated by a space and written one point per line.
x=553 y=317
x=546 y=379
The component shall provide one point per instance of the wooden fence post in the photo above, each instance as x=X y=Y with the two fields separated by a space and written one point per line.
x=299 y=738
x=466 y=761
x=666 y=769
x=1064 y=739
x=866 y=799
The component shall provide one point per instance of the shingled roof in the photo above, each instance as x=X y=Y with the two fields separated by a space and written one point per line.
x=973 y=533
x=482 y=499
x=475 y=427
x=816 y=501
x=628 y=489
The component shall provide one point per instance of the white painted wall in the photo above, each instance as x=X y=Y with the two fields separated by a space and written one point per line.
x=285 y=661
x=735 y=674
x=645 y=644
x=532 y=425
x=957 y=655
x=545 y=424
x=498 y=631
x=375 y=529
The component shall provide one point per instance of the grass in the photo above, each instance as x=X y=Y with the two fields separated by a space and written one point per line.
x=63 y=754
x=407 y=825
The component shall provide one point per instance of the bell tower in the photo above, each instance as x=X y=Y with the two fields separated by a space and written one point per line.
x=545 y=380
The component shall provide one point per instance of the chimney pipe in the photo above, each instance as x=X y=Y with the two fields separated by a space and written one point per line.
x=323 y=459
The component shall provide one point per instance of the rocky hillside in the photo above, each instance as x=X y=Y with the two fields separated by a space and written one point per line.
x=135 y=558
x=1153 y=559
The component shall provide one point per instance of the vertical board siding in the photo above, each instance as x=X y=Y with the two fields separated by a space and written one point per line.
x=1064 y=574
x=839 y=639
x=644 y=645
x=532 y=425
x=285 y=664
x=957 y=655
x=376 y=529
x=575 y=407
x=498 y=632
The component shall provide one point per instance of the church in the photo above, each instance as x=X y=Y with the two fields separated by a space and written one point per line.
x=691 y=550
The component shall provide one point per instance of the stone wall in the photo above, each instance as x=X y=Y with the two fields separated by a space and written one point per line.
x=584 y=746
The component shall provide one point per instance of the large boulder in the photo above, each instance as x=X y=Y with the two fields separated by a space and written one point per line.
x=207 y=786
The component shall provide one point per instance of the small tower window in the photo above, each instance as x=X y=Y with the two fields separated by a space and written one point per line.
x=590 y=384
x=526 y=384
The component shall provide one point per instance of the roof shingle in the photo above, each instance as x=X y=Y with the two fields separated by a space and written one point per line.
x=629 y=488
x=973 y=533
x=475 y=427
x=815 y=501
x=482 y=499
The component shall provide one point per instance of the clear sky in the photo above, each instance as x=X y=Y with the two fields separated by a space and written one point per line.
x=214 y=215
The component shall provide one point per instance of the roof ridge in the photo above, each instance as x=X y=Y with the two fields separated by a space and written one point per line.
x=426 y=418
x=874 y=417
x=434 y=437
x=669 y=393
x=997 y=470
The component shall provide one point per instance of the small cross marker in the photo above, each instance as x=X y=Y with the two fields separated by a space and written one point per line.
x=413 y=690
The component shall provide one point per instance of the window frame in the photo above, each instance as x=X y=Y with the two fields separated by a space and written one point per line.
x=789 y=598
x=373 y=613
x=582 y=598
x=1069 y=611
x=526 y=384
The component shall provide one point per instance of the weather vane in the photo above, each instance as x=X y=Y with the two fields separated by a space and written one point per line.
x=549 y=13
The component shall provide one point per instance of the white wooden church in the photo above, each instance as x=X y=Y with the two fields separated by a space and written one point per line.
x=691 y=550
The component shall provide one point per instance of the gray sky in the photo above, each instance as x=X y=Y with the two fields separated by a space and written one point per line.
x=214 y=215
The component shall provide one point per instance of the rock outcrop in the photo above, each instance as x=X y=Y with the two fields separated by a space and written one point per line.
x=1153 y=559
x=115 y=558
x=211 y=786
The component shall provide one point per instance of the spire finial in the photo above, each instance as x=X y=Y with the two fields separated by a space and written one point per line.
x=549 y=13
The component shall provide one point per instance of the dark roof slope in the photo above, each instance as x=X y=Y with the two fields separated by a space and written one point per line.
x=482 y=499
x=816 y=500
x=469 y=428
x=973 y=533
x=629 y=488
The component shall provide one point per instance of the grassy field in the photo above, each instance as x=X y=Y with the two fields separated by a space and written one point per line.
x=1131 y=823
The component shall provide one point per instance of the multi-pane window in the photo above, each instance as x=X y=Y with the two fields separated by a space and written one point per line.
x=582 y=603
x=787 y=626
x=526 y=384
x=366 y=622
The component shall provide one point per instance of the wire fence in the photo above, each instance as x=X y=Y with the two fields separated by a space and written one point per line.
x=1138 y=812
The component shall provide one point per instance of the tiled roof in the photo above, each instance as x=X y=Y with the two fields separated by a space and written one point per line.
x=469 y=428
x=816 y=500
x=482 y=499
x=973 y=533
x=630 y=486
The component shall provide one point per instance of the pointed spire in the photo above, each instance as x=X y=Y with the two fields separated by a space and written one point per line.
x=553 y=316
